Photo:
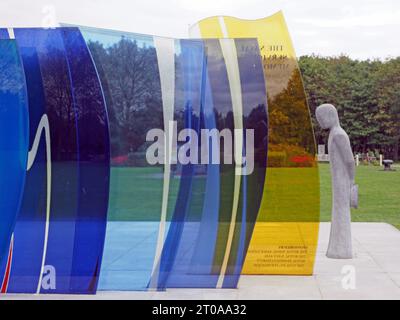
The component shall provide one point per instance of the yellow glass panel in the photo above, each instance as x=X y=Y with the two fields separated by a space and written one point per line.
x=286 y=233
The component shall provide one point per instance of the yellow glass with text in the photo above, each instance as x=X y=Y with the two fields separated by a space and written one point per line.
x=285 y=236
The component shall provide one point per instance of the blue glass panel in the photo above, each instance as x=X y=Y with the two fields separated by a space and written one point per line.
x=203 y=254
x=94 y=164
x=188 y=257
x=4 y=34
x=30 y=228
x=200 y=251
x=196 y=246
x=189 y=203
x=222 y=101
x=14 y=130
x=254 y=118
x=37 y=249
x=128 y=71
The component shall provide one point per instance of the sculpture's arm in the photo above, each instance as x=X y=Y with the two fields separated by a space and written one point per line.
x=346 y=153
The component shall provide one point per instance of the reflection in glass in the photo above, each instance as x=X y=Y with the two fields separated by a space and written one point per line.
x=94 y=164
x=206 y=234
x=38 y=237
x=129 y=74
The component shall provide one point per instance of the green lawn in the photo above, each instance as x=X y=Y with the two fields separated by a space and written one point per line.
x=379 y=195
x=140 y=192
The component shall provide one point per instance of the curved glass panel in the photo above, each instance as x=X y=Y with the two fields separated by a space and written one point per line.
x=32 y=230
x=60 y=230
x=186 y=234
x=13 y=148
x=212 y=239
x=44 y=235
x=94 y=164
x=252 y=185
x=286 y=233
x=129 y=73
x=225 y=113
x=187 y=215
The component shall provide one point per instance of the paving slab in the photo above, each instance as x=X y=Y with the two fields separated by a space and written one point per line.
x=373 y=273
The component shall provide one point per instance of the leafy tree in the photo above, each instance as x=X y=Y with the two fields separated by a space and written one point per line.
x=366 y=94
x=130 y=78
x=388 y=95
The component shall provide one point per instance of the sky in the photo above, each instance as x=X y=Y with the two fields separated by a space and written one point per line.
x=361 y=29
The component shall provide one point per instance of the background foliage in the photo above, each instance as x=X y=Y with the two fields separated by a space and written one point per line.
x=366 y=94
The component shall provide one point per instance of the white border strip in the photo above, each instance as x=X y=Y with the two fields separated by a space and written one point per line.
x=223 y=27
x=194 y=31
x=43 y=126
x=165 y=49
x=11 y=34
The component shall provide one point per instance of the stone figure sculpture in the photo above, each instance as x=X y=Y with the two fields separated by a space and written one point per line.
x=344 y=190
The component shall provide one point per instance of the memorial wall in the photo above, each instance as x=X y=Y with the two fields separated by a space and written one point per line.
x=137 y=162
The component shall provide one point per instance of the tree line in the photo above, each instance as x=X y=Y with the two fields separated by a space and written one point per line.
x=366 y=94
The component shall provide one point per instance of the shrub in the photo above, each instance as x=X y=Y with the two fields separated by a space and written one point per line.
x=281 y=155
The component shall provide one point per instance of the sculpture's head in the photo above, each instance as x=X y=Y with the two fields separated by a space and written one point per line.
x=327 y=116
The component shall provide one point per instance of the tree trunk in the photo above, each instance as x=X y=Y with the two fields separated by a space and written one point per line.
x=396 y=150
